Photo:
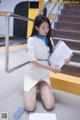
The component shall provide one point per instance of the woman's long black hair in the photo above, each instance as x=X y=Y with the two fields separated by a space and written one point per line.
x=38 y=21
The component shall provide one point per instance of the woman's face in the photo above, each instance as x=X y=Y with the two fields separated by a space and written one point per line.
x=43 y=29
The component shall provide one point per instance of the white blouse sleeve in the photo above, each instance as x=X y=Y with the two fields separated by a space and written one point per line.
x=31 y=49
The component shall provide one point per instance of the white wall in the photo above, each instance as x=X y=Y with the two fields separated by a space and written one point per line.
x=8 y=5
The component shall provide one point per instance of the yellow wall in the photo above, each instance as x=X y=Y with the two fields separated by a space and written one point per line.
x=32 y=14
x=41 y=4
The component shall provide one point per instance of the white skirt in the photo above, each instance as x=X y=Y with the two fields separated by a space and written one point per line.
x=35 y=74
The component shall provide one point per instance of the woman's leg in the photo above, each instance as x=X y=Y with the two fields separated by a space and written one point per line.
x=30 y=99
x=46 y=95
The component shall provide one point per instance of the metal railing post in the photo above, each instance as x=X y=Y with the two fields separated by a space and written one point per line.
x=6 y=43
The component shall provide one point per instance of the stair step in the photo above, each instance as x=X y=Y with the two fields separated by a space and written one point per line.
x=75 y=46
x=67 y=26
x=73 y=6
x=76 y=51
x=70 y=19
x=71 y=69
x=72 y=0
x=67 y=40
x=71 y=12
x=68 y=30
x=74 y=64
x=66 y=34
x=76 y=58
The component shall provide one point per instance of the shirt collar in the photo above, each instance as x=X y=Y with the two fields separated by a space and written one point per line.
x=42 y=37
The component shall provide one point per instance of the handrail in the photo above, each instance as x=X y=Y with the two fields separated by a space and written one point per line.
x=52 y=9
x=11 y=14
x=4 y=13
x=7 y=41
x=57 y=12
x=44 y=7
x=21 y=17
x=7 y=16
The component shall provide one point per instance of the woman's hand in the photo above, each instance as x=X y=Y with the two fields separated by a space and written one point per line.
x=54 y=69
x=66 y=61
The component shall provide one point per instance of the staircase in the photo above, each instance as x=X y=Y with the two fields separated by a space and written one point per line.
x=67 y=28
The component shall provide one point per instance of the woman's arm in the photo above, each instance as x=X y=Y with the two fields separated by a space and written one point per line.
x=32 y=58
x=66 y=61
x=51 y=68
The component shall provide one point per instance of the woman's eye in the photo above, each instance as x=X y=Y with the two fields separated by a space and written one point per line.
x=45 y=28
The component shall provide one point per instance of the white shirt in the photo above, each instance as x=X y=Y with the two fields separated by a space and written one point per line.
x=36 y=49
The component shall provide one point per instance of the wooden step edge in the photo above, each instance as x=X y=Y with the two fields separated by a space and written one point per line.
x=14 y=47
x=69 y=40
x=61 y=30
x=69 y=23
x=74 y=64
x=65 y=83
x=70 y=16
x=71 y=9
x=53 y=15
x=3 y=36
x=64 y=2
x=76 y=51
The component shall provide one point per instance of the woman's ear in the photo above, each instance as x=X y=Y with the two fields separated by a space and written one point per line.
x=36 y=28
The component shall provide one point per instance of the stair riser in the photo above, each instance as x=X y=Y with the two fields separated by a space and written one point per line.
x=71 y=70
x=76 y=58
x=71 y=12
x=66 y=34
x=64 y=26
x=72 y=45
x=69 y=19
x=72 y=0
x=73 y=6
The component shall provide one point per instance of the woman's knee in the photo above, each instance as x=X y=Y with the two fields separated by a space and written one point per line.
x=49 y=106
x=30 y=108
x=49 y=103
